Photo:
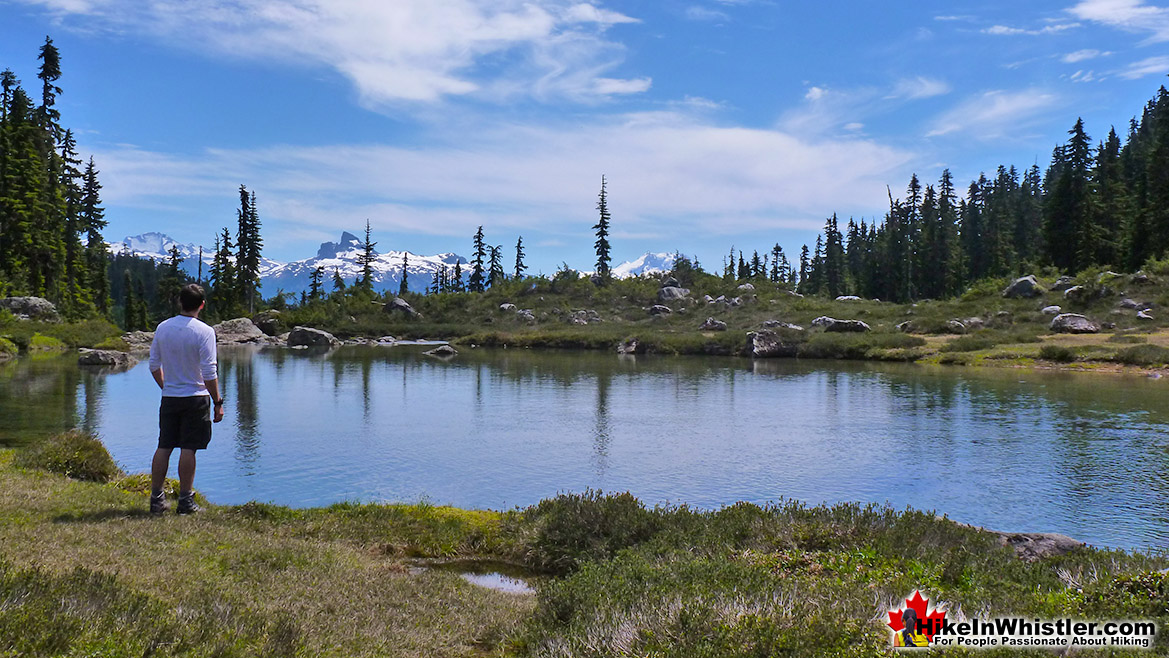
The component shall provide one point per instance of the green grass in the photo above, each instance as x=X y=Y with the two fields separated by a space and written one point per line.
x=73 y=454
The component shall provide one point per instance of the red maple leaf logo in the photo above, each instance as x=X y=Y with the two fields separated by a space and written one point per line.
x=931 y=621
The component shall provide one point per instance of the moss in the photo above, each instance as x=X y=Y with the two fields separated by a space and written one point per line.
x=7 y=348
x=115 y=343
x=74 y=454
x=42 y=343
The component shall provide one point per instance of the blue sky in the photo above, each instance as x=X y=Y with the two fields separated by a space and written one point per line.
x=716 y=122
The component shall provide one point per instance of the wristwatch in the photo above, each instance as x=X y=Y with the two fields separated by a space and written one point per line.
x=218 y=403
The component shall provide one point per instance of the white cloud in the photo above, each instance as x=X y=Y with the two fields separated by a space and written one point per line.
x=1082 y=55
x=919 y=87
x=1150 y=66
x=393 y=52
x=993 y=114
x=815 y=93
x=697 y=13
x=1084 y=76
x=1128 y=15
x=954 y=18
x=1009 y=31
x=661 y=166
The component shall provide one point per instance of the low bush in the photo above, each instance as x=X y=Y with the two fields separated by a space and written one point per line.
x=8 y=347
x=969 y=343
x=1058 y=353
x=1130 y=339
x=571 y=529
x=1143 y=355
x=115 y=343
x=74 y=454
x=41 y=343
x=854 y=346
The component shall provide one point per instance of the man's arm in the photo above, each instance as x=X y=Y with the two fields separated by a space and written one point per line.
x=213 y=388
x=158 y=377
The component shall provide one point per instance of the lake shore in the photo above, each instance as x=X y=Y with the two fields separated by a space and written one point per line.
x=616 y=577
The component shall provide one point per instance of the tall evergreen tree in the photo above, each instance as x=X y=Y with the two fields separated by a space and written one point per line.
x=1068 y=230
x=519 y=259
x=602 y=233
x=314 y=282
x=404 y=287
x=249 y=245
x=366 y=259
x=478 y=278
x=833 y=258
x=495 y=273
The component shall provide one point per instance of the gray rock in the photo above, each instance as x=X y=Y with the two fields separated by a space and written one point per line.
x=113 y=358
x=1073 y=323
x=138 y=340
x=713 y=325
x=776 y=324
x=1051 y=310
x=658 y=309
x=268 y=322
x=848 y=298
x=671 y=282
x=400 y=305
x=907 y=327
x=442 y=352
x=955 y=327
x=834 y=325
x=747 y=286
x=1076 y=293
x=767 y=344
x=671 y=293
x=708 y=299
x=630 y=346
x=584 y=317
x=31 y=308
x=796 y=294
x=1062 y=283
x=1144 y=315
x=1140 y=278
x=1025 y=286
x=735 y=301
x=1035 y=546
x=973 y=324
x=1107 y=276
x=387 y=340
x=507 y=306
x=526 y=315
x=309 y=337
x=237 y=332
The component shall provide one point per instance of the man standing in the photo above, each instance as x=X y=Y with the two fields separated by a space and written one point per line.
x=184 y=364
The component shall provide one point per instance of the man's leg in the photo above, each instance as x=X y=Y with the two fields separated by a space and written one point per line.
x=159 y=467
x=186 y=471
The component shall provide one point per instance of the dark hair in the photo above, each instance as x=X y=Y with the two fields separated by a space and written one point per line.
x=191 y=297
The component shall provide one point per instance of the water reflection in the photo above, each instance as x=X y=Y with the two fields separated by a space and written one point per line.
x=1086 y=455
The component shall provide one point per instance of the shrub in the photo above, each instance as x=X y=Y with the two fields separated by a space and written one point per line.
x=572 y=529
x=1127 y=338
x=1058 y=353
x=115 y=343
x=74 y=454
x=969 y=343
x=42 y=343
x=854 y=346
x=7 y=347
x=1143 y=355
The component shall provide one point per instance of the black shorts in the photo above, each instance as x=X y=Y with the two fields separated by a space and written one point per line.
x=184 y=422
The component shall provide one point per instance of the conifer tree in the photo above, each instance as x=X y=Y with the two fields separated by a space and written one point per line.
x=366 y=259
x=519 y=259
x=805 y=270
x=338 y=282
x=495 y=273
x=478 y=278
x=403 y=287
x=833 y=258
x=1068 y=230
x=456 y=284
x=249 y=244
x=602 y=233
x=92 y=221
x=315 y=278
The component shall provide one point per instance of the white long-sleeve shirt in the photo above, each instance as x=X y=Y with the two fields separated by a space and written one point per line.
x=184 y=348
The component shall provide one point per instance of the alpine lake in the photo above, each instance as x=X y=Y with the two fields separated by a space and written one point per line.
x=1083 y=454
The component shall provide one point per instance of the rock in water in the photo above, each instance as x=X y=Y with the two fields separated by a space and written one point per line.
x=1025 y=286
x=630 y=346
x=113 y=358
x=309 y=337
x=767 y=344
x=442 y=352
x=238 y=331
x=31 y=308
x=1073 y=323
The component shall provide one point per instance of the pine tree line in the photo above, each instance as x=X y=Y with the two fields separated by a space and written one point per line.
x=50 y=203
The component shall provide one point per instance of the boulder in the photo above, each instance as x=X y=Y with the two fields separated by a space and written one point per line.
x=584 y=317
x=1051 y=310
x=1134 y=305
x=1034 y=546
x=848 y=298
x=1062 y=283
x=1073 y=323
x=973 y=324
x=767 y=344
x=907 y=327
x=776 y=324
x=1076 y=293
x=658 y=309
x=630 y=346
x=834 y=325
x=671 y=293
x=507 y=306
x=526 y=315
x=1144 y=315
x=1025 y=286
x=1140 y=278
x=671 y=282
x=955 y=327
x=708 y=299
x=31 y=308
x=401 y=306
x=442 y=352
x=309 y=337
x=387 y=340
x=237 y=332
x=1107 y=276
x=793 y=293
x=735 y=301
x=113 y=358
x=138 y=340
x=746 y=286
x=713 y=325
x=269 y=323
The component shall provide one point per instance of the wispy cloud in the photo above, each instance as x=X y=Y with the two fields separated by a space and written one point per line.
x=954 y=18
x=1082 y=55
x=1050 y=29
x=993 y=114
x=1150 y=66
x=919 y=87
x=696 y=174
x=697 y=13
x=1128 y=15
x=406 y=51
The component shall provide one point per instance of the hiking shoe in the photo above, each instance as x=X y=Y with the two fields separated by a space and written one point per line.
x=187 y=504
x=158 y=504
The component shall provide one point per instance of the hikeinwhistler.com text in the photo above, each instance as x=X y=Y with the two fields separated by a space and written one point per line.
x=1001 y=632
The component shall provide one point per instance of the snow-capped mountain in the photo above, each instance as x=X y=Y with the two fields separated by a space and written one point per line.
x=647 y=263
x=294 y=277
x=342 y=257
